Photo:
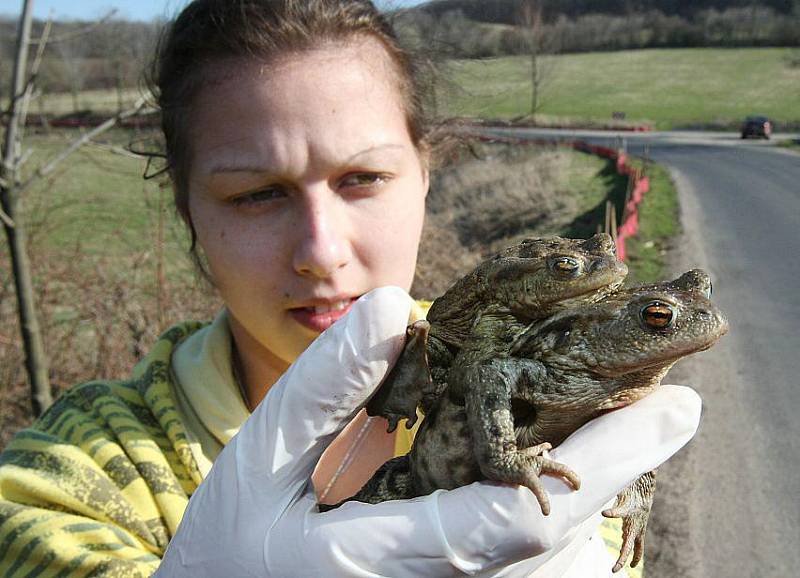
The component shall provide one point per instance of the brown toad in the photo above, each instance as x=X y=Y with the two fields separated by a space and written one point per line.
x=499 y=415
x=490 y=305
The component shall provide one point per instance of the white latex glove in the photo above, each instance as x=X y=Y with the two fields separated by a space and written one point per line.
x=256 y=513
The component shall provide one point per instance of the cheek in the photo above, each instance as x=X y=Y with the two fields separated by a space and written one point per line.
x=390 y=237
x=238 y=254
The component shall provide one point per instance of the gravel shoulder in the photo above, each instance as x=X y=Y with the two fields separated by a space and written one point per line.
x=672 y=547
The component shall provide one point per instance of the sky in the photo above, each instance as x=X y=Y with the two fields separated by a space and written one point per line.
x=128 y=9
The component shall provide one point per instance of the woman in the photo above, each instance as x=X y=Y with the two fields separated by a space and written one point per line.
x=299 y=155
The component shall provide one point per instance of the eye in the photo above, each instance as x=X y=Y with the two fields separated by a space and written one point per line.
x=260 y=196
x=363 y=180
x=658 y=315
x=566 y=266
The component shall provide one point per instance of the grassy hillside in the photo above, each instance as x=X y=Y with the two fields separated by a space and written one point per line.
x=671 y=88
x=97 y=202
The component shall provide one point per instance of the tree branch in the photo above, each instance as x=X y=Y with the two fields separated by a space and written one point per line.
x=7 y=221
x=30 y=331
x=24 y=95
x=76 y=33
x=37 y=61
x=115 y=150
x=45 y=170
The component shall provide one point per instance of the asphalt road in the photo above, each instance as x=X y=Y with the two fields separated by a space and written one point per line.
x=728 y=505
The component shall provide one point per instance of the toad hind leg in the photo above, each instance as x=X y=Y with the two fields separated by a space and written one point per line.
x=633 y=506
x=488 y=389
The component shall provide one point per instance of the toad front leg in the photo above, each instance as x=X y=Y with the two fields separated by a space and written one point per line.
x=633 y=506
x=488 y=388
x=408 y=381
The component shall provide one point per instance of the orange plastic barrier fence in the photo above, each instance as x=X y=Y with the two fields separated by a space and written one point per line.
x=638 y=184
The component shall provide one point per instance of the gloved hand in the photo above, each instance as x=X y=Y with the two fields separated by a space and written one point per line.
x=256 y=513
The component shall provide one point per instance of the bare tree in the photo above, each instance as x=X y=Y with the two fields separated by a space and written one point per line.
x=35 y=359
x=541 y=42
x=12 y=188
x=74 y=59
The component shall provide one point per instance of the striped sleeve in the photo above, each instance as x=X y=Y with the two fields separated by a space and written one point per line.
x=98 y=484
x=38 y=542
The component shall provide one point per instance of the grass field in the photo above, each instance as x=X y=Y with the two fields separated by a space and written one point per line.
x=669 y=88
x=792 y=145
x=97 y=202
x=100 y=101
x=658 y=225
x=598 y=181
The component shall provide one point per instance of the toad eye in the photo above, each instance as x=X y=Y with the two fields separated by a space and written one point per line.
x=566 y=266
x=658 y=315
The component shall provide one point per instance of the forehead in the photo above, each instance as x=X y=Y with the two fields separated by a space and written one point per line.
x=338 y=95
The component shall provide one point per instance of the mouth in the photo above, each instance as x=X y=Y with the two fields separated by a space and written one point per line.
x=323 y=313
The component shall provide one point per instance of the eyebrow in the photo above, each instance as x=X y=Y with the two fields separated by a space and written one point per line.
x=223 y=167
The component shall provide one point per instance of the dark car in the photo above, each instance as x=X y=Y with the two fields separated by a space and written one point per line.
x=757 y=127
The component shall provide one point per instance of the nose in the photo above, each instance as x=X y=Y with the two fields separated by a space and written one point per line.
x=323 y=246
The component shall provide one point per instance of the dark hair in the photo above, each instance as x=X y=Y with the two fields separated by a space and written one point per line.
x=208 y=31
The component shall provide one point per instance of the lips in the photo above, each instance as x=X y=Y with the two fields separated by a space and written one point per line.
x=321 y=315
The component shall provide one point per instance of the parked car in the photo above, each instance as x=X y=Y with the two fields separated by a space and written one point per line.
x=757 y=127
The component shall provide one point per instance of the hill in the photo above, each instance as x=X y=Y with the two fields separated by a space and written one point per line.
x=477 y=29
x=675 y=88
x=507 y=11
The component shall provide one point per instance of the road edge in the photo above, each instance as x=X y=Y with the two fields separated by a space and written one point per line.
x=673 y=548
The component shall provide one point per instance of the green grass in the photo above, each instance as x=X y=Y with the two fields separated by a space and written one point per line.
x=99 y=101
x=670 y=88
x=792 y=145
x=597 y=180
x=658 y=225
x=97 y=203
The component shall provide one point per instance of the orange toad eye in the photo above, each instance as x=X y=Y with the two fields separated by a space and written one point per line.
x=658 y=315
x=566 y=265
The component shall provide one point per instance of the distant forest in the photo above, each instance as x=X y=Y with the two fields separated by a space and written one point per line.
x=480 y=28
x=112 y=53
x=507 y=11
x=85 y=55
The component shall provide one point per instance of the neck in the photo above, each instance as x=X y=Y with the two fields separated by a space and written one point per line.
x=256 y=367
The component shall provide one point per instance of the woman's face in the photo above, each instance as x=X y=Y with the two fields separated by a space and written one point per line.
x=305 y=190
